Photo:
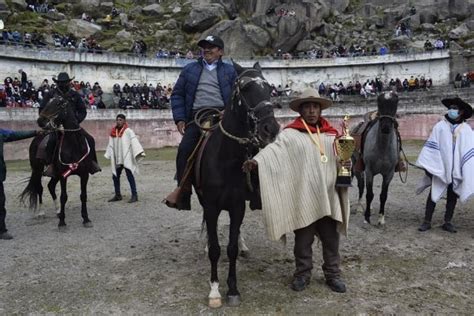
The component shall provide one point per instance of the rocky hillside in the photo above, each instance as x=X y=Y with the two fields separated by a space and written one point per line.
x=252 y=27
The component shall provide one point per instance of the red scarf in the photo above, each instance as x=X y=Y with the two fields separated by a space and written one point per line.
x=118 y=132
x=324 y=126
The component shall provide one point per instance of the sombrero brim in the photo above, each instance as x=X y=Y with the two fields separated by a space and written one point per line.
x=295 y=104
x=457 y=101
x=70 y=79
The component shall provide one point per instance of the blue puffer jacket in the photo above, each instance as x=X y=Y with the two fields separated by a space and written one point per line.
x=184 y=91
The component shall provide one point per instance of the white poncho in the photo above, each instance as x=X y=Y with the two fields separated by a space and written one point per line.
x=124 y=151
x=297 y=189
x=449 y=156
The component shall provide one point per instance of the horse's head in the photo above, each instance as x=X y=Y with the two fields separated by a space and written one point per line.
x=252 y=94
x=55 y=113
x=387 y=104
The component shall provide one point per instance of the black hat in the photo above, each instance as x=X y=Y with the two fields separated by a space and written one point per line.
x=212 y=40
x=461 y=104
x=63 y=77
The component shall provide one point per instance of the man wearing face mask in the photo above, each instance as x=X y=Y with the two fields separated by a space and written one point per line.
x=73 y=99
x=448 y=160
x=204 y=83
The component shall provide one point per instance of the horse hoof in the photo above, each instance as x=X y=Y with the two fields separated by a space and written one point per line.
x=215 y=302
x=233 y=300
x=62 y=228
x=245 y=254
x=88 y=225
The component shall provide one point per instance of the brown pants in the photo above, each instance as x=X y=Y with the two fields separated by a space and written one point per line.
x=326 y=229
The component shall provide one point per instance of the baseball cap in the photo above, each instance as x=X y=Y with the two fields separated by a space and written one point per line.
x=212 y=40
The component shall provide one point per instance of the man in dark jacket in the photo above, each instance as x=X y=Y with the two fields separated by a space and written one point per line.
x=74 y=99
x=206 y=82
x=7 y=136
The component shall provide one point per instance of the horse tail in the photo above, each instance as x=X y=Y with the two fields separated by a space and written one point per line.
x=34 y=189
x=30 y=194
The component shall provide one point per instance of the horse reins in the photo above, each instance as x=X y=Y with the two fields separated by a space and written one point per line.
x=73 y=165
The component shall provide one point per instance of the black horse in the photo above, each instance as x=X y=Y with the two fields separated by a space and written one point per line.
x=34 y=190
x=72 y=155
x=247 y=124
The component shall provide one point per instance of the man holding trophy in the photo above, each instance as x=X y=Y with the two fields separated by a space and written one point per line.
x=297 y=174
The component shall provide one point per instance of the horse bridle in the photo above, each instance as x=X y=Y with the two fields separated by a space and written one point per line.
x=252 y=113
x=52 y=117
x=392 y=118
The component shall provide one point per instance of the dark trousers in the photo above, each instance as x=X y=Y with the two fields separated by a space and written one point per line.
x=130 y=177
x=3 y=211
x=326 y=229
x=190 y=139
x=451 y=201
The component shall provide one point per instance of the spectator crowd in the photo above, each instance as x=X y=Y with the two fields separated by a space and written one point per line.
x=142 y=96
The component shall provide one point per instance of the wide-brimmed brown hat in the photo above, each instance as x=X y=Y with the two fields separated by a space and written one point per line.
x=310 y=95
x=466 y=107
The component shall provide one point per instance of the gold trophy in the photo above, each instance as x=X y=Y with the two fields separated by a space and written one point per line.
x=345 y=146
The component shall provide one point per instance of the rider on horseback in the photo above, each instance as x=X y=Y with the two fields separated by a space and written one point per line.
x=206 y=82
x=64 y=91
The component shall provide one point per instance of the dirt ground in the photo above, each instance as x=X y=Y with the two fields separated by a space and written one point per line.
x=144 y=258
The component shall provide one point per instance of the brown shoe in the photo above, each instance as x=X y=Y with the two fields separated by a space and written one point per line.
x=117 y=197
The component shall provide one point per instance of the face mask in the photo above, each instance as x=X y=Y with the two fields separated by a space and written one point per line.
x=453 y=114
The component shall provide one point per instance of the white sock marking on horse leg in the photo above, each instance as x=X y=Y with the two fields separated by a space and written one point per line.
x=359 y=208
x=40 y=211
x=56 y=206
x=381 y=219
x=242 y=246
x=215 y=300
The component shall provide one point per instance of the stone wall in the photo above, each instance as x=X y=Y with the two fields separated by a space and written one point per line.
x=108 y=69
x=417 y=111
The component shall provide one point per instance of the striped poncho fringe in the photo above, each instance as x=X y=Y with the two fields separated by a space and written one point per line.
x=296 y=188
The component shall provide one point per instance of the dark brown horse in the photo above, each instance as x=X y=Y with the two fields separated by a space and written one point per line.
x=248 y=123
x=72 y=156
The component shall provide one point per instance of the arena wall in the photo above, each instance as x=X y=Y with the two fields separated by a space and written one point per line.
x=109 y=68
x=156 y=129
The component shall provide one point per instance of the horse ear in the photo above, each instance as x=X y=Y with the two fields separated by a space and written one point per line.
x=257 y=66
x=237 y=67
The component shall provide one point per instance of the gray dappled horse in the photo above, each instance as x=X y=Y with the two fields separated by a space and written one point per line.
x=380 y=153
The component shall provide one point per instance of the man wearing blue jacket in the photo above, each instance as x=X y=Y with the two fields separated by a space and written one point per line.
x=8 y=136
x=206 y=82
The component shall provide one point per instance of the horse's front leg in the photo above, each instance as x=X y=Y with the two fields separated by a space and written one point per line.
x=369 y=196
x=52 y=191
x=85 y=218
x=383 y=197
x=236 y=218
x=360 y=184
x=211 y=217
x=63 y=199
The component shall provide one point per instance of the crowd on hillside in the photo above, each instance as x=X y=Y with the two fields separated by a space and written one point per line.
x=40 y=6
